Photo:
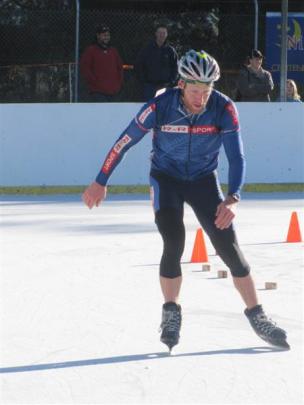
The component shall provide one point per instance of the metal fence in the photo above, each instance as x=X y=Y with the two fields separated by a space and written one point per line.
x=37 y=51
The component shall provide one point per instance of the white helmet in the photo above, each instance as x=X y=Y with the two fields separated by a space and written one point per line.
x=198 y=67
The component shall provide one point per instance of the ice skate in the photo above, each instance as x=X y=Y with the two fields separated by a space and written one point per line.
x=265 y=328
x=171 y=324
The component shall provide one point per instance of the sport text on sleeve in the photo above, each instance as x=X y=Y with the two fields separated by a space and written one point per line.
x=137 y=129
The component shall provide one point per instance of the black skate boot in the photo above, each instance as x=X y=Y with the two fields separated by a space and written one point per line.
x=171 y=324
x=265 y=328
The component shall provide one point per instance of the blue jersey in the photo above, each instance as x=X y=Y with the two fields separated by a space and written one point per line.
x=185 y=146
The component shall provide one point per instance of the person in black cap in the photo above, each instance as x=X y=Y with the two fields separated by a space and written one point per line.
x=254 y=83
x=101 y=67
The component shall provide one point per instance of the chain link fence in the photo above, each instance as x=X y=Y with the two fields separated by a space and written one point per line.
x=37 y=51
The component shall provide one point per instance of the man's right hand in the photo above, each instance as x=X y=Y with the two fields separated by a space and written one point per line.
x=94 y=194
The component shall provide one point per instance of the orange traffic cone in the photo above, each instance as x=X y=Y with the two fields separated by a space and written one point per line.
x=294 y=233
x=199 y=253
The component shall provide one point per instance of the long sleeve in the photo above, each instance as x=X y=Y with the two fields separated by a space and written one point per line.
x=136 y=130
x=174 y=72
x=252 y=85
x=267 y=83
x=119 y=66
x=233 y=146
x=243 y=83
x=139 y=66
x=234 y=151
x=86 y=61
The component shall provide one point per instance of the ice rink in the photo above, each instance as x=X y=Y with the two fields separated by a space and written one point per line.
x=81 y=307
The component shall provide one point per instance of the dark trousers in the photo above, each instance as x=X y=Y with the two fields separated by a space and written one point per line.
x=203 y=196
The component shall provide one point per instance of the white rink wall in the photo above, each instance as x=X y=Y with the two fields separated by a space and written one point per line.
x=65 y=144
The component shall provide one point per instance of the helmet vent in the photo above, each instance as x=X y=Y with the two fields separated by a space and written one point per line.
x=198 y=66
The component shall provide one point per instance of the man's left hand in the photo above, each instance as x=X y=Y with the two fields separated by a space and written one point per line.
x=225 y=213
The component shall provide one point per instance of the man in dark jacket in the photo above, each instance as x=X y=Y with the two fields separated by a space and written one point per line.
x=156 y=64
x=101 y=68
x=254 y=83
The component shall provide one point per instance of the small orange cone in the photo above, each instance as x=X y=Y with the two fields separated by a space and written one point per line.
x=294 y=233
x=199 y=253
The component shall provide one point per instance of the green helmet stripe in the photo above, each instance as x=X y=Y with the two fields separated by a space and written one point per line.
x=202 y=55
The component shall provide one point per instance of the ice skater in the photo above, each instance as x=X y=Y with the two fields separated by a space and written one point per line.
x=190 y=123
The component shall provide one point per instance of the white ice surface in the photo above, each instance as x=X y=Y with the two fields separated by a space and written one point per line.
x=81 y=305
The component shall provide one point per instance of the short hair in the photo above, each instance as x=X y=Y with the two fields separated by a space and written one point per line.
x=255 y=53
x=161 y=26
x=100 y=29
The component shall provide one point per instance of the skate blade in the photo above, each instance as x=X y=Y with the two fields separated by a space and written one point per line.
x=170 y=347
x=171 y=352
x=280 y=344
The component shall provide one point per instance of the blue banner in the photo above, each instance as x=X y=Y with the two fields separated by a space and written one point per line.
x=295 y=46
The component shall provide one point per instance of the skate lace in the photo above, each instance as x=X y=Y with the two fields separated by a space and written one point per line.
x=264 y=324
x=171 y=321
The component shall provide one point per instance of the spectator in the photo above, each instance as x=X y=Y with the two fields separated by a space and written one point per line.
x=101 y=68
x=292 y=91
x=254 y=83
x=156 y=64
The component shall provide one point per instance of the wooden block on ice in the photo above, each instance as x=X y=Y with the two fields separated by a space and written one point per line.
x=222 y=274
x=206 y=267
x=271 y=286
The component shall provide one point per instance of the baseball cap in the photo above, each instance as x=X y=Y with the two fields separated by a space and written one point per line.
x=102 y=28
x=255 y=53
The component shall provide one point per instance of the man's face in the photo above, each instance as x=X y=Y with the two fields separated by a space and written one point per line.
x=161 y=35
x=195 y=96
x=103 y=37
x=256 y=63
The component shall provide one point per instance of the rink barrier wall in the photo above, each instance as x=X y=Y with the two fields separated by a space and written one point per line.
x=65 y=144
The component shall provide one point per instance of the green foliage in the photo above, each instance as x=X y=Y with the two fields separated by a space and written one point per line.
x=192 y=30
x=142 y=189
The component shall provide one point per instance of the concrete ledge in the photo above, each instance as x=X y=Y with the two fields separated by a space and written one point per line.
x=143 y=189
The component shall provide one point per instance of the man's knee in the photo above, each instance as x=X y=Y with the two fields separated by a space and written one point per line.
x=170 y=221
x=171 y=227
x=170 y=270
x=240 y=271
x=227 y=247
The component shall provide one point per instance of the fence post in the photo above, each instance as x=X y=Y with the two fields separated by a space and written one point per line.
x=76 y=52
x=256 y=24
x=283 y=76
x=70 y=83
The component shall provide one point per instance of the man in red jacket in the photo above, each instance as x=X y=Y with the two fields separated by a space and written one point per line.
x=101 y=68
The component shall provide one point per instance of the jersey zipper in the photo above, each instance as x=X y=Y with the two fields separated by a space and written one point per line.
x=189 y=150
